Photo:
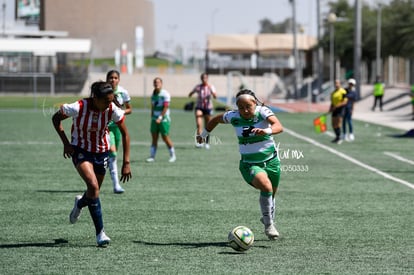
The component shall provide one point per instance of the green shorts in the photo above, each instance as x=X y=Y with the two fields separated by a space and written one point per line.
x=270 y=167
x=115 y=135
x=163 y=127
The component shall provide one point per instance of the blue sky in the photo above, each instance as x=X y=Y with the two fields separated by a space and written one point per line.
x=188 y=22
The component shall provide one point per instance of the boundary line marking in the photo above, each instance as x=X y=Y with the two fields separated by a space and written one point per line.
x=349 y=158
x=400 y=158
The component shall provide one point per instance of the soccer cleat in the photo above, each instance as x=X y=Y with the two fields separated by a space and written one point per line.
x=199 y=145
x=119 y=190
x=351 y=137
x=172 y=158
x=271 y=232
x=76 y=211
x=102 y=239
x=150 y=159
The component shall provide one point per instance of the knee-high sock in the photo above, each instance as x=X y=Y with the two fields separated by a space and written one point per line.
x=153 y=151
x=337 y=132
x=113 y=170
x=273 y=208
x=266 y=204
x=96 y=214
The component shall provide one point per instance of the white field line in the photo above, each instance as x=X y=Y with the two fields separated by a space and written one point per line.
x=9 y=142
x=400 y=158
x=349 y=158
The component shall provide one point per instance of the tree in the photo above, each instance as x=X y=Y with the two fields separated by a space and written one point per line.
x=398 y=29
x=266 y=26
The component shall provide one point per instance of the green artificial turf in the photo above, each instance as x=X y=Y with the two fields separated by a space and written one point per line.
x=334 y=216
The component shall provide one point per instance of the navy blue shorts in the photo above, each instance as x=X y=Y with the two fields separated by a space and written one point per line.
x=206 y=112
x=99 y=160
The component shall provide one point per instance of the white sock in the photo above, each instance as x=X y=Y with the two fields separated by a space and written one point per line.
x=172 y=151
x=266 y=204
x=113 y=170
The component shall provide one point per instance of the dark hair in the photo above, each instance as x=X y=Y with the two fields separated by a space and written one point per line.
x=155 y=79
x=202 y=76
x=112 y=72
x=249 y=92
x=101 y=88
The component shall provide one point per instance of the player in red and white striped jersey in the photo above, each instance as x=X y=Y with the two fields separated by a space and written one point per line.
x=89 y=147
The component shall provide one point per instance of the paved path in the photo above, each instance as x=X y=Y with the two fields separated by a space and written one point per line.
x=397 y=108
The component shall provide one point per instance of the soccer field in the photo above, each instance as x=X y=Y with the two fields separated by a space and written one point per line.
x=342 y=209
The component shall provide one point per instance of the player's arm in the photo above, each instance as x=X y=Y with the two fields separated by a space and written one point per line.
x=210 y=127
x=192 y=92
x=214 y=93
x=163 y=112
x=275 y=127
x=57 y=123
x=128 y=108
x=126 y=169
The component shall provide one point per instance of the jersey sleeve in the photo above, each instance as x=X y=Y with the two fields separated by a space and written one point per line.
x=70 y=110
x=125 y=96
x=265 y=112
x=118 y=114
x=227 y=116
x=167 y=97
x=213 y=89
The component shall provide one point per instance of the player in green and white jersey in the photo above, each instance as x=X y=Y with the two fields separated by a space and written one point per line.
x=160 y=120
x=260 y=163
x=123 y=98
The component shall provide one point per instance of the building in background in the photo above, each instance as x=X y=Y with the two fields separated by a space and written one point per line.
x=107 y=23
x=46 y=45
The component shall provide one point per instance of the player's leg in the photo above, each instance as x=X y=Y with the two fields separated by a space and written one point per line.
x=336 y=126
x=91 y=199
x=199 y=124
x=273 y=172
x=165 y=131
x=257 y=177
x=263 y=183
x=115 y=137
x=207 y=117
x=154 y=143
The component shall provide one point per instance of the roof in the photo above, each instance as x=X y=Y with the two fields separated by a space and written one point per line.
x=276 y=43
x=232 y=43
x=45 y=46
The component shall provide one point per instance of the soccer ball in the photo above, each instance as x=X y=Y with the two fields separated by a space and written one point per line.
x=241 y=238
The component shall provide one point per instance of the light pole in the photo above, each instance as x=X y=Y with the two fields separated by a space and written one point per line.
x=357 y=46
x=3 y=7
x=172 y=28
x=331 y=20
x=213 y=15
x=295 y=51
x=320 y=49
x=378 y=61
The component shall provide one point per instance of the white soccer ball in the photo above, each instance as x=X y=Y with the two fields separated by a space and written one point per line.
x=241 y=238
